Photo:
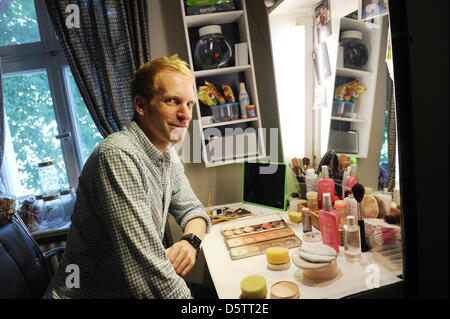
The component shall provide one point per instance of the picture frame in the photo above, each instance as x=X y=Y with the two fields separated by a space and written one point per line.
x=369 y=9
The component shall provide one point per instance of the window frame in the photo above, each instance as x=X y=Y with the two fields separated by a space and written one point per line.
x=49 y=56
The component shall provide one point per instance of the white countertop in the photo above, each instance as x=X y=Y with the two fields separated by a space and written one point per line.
x=227 y=273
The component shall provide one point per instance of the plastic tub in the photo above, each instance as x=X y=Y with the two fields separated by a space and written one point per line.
x=225 y=112
x=343 y=108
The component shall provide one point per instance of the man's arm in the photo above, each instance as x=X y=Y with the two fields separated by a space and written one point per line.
x=182 y=254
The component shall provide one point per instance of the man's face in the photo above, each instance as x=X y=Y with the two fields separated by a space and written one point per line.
x=165 y=118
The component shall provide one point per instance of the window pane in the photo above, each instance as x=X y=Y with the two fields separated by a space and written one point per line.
x=90 y=136
x=18 y=24
x=31 y=120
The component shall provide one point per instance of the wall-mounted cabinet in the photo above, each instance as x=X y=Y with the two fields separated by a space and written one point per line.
x=351 y=135
x=238 y=139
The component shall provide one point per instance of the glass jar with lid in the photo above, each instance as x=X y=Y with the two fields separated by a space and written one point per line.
x=356 y=53
x=54 y=210
x=41 y=209
x=212 y=50
x=49 y=177
x=68 y=201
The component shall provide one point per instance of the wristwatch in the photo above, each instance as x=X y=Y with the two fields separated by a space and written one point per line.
x=193 y=240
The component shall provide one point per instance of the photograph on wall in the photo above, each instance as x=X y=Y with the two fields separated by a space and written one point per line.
x=322 y=20
x=322 y=63
x=369 y=9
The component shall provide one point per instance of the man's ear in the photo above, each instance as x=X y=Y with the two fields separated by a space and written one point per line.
x=139 y=104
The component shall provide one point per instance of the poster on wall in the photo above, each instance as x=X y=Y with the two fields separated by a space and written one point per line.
x=369 y=9
x=322 y=17
x=322 y=62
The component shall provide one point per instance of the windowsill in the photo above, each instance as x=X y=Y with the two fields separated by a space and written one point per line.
x=45 y=232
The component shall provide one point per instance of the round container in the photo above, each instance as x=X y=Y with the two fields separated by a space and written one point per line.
x=284 y=290
x=251 y=111
x=39 y=203
x=225 y=112
x=68 y=202
x=49 y=177
x=356 y=53
x=54 y=210
x=343 y=108
x=212 y=50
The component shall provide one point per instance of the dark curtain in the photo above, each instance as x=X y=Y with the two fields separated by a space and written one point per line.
x=104 y=50
x=2 y=121
x=391 y=136
x=3 y=5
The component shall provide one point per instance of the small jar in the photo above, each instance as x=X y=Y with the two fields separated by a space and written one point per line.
x=54 y=210
x=313 y=201
x=212 y=50
x=68 y=201
x=49 y=177
x=39 y=203
x=356 y=53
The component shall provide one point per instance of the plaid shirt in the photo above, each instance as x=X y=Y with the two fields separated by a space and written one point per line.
x=125 y=191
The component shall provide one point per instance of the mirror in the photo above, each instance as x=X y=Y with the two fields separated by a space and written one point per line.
x=349 y=107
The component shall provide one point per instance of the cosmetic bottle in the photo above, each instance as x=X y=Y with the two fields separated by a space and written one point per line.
x=312 y=201
x=325 y=185
x=352 y=206
x=306 y=219
x=311 y=180
x=340 y=206
x=352 y=240
x=351 y=179
x=329 y=224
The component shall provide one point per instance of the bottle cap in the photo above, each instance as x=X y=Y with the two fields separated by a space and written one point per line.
x=351 y=220
x=325 y=171
x=209 y=29
x=327 y=201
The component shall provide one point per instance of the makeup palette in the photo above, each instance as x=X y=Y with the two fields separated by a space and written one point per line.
x=259 y=237
x=260 y=247
x=253 y=225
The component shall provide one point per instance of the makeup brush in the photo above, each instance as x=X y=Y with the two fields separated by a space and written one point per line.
x=358 y=193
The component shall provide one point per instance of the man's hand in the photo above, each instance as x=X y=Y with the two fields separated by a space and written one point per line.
x=182 y=256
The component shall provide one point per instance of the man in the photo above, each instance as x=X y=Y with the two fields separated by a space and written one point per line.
x=128 y=185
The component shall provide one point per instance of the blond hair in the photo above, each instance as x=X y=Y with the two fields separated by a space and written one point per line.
x=144 y=83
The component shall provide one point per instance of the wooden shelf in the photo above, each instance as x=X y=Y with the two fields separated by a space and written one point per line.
x=232 y=69
x=230 y=122
x=216 y=18
x=347 y=119
x=352 y=72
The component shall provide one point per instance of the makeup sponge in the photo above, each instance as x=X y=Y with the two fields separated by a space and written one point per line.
x=278 y=258
x=254 y=287
x=277 y=255
x=295 y=217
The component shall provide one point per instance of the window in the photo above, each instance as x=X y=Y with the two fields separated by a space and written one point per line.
x=46 y=117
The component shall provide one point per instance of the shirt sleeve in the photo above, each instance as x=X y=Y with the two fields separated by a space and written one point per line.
x=185 y=205
x=128 y=221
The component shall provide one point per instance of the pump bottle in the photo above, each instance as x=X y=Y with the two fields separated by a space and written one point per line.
x=329 y=224
x=325 y=185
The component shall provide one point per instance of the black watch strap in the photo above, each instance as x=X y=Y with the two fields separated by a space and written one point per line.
x=193 y=240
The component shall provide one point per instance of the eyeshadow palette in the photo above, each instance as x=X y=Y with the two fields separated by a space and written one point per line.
x=259 y=237
x=253 y=225
x=260 y=248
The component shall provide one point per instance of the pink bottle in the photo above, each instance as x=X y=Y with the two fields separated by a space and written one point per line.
x=325 y=185
x=329 y=224
x=351 y=179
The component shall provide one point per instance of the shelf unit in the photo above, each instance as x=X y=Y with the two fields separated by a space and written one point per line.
x=367 y=76
x=235 y=28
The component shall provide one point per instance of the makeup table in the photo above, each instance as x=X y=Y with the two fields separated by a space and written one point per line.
x=227 y=274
